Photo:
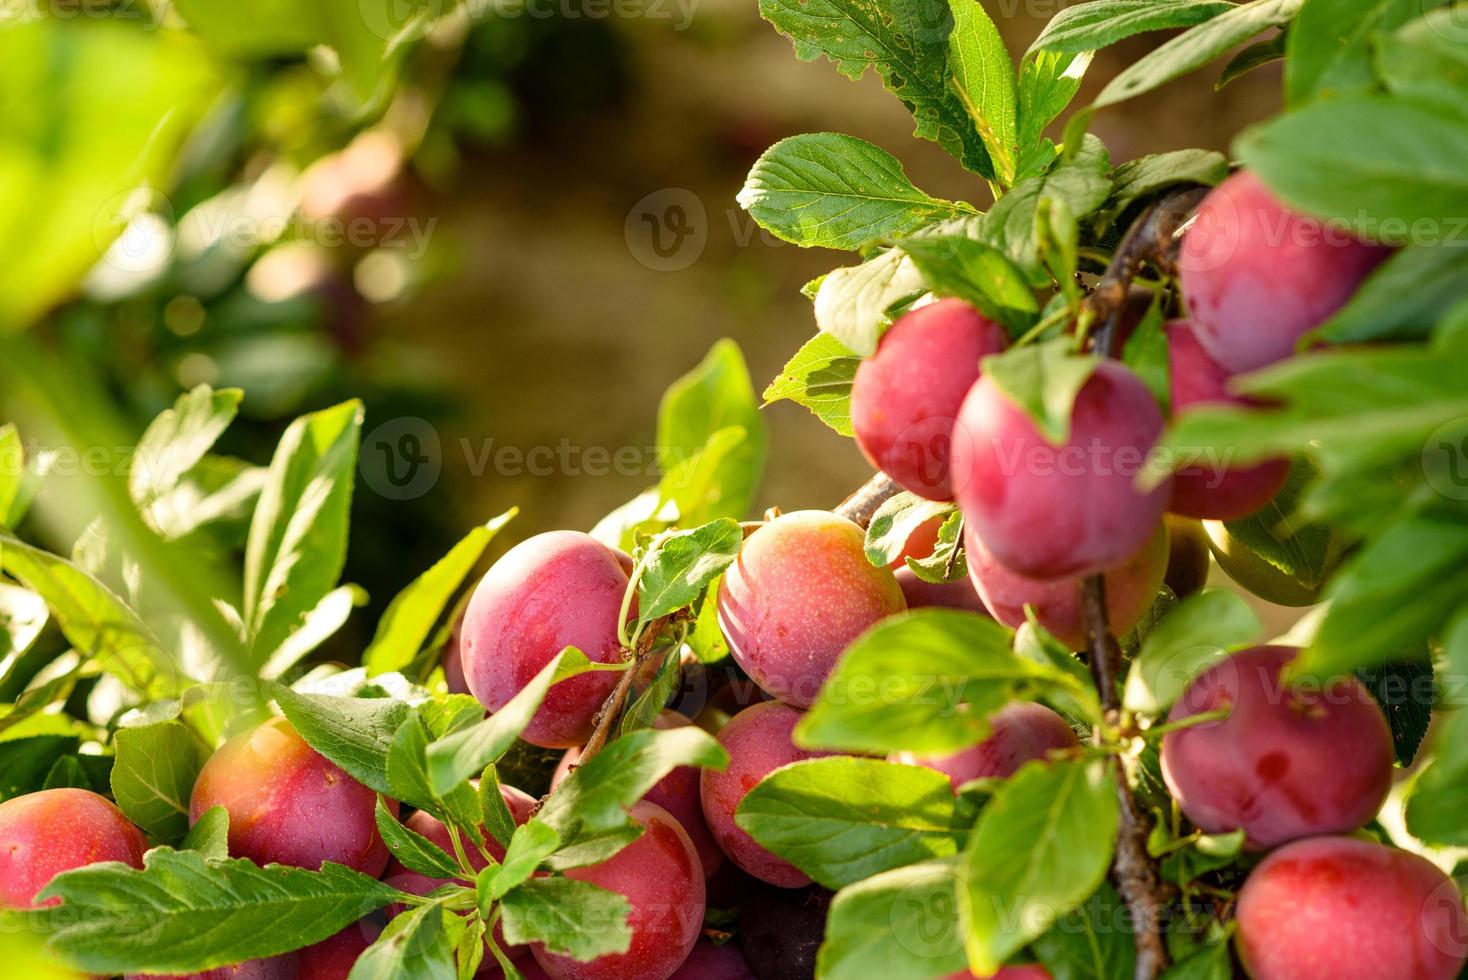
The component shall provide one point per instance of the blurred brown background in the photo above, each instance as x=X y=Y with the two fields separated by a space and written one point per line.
x=553 y=327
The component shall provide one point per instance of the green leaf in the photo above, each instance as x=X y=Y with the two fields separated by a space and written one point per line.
x=977 y=273
x=1043 y=381
x=177 y=440
x=1086 y=943
x=1368 y=417
x=1080 y=182
x=594 y=798
x=154 y=776
x=1404 y=297
x=220 y=491
x=923 y=681
x=1435 y=808
x=1095 y=25
x=23 y=616
x=706 y=639
x=414 y=946
x=298 y=537
x=947 y=562
x=843 y=819
x=1187 y=640
x=983 y=78
x=1209 y=963
x=1329 y=51
x=1196 y=47
x=1389 y=163
x=364 y=36
x=409 y=619
x=895 y=521
x=593 y=847
x=25 y=762
x=413 y=850
x=681 y=564
x=533 y=842
x=906 y=44
x=715 y=396
x=555 y=910
x=180 y=914
x=1391 y=596
x=59 y=209
x=354 y=733
x=819 y=378
x=67 y=773
x=1256 y=55
x=498 y=819
x=1042 y=846
x=1048 y=80
x=835 y=191
x=1406 y=693
x=1143 y=177
x=1427 y=59
x=644 y=710
x=457 y=757
x=98 y=624
x=12 y=471
x=900 y=925
x=209 y=835
x=853 y=302
x=317 y=626
x=469 y=953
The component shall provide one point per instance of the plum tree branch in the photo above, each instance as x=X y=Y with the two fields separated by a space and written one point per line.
x=863 y=502
x=611 y=710
x=1152 y=238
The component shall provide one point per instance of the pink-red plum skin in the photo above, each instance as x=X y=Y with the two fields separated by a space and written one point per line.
x=288 y=804
x=1057 y=512
x=710 y=962
x=43 y=834
x=905 y=397
x=800 y=591
x=1018 y=971
x=660 y=876
x=1338 y=908
x=1286 y=762
x=1257 y=276
x=1020 y=732
x=551 y=591
x=1201 y=489
x=758 y=740
x=1131 y=587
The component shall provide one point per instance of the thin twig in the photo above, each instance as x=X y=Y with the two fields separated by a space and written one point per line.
x=611 y=709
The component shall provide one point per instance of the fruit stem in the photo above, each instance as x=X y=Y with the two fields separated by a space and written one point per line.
x=611 y=710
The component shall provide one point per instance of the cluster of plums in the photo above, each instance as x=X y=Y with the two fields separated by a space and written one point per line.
x=1298 y=769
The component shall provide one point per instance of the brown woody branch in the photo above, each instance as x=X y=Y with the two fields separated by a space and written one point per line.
x=1152 y=239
